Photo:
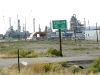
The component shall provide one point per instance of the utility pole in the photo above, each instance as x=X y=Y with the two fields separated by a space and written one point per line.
x=75 y=33
x=25 y=29
x=96 y=32
x=75 y=28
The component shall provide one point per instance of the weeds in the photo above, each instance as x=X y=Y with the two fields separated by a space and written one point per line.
x=80 y=48
x=47 y=69
x=53 y=51
x=95 y=67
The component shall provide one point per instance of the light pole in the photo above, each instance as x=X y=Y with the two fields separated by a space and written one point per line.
x=75 y=28
x=25 y=29
x=96 y=32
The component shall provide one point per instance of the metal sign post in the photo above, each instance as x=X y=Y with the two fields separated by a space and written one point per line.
x=18 y=62
x=60 y=42
x=59 y=24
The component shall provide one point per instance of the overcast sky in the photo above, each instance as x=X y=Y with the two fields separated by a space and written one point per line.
x=45 y=10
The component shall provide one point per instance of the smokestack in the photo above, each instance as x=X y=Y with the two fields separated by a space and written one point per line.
x=19 y=28
x=39 y=28
x=84 y=23
x=9 y=22
x=17 y=22
x=23 y=28
x=33 y=24
x=50 y=23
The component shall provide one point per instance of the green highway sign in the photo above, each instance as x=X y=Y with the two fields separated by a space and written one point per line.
x=59 y=24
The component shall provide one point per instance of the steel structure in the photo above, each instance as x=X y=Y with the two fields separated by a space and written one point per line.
x=76 y=24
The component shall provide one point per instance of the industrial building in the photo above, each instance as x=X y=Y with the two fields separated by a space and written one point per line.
x=77 y=27
x=77 y=30
x=92 y=34
x=15 y=34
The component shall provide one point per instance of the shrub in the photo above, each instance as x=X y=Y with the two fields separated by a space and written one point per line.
x=56 y=67
x=64 y=64
x=22 y=53
x=30 y=51
x=95 y=67
x=74 y=69
x=46 y=67
x=2 y=46
x=13 y=51
x=92 y=69
x=53 y=51
x=33 y=54
x=36 y=67
x=36 y=54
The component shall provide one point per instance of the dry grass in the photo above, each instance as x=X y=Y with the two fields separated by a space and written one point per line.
x=36 y=69
x=26 y=71
x=7 y=55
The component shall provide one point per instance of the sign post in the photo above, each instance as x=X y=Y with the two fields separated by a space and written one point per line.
x=59 y=24
x=18 y=62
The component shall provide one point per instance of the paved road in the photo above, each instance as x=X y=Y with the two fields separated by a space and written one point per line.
x=8 y=62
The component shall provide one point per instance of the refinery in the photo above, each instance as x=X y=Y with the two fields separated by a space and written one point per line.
x=77 y=31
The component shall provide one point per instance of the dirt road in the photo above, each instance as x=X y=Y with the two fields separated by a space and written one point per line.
x=8 y=62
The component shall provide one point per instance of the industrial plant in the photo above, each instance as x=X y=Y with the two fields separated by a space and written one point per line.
x=13 y=34
x=77 y=31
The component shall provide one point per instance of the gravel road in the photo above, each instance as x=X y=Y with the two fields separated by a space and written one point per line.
x=8 y=62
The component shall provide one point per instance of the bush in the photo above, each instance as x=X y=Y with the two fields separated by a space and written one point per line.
x=64 y=64
x=2 y=46
x=22 y=53
x=56 y=67
x=30 y=51
x=35 y=54
x=74 y=69
x=36 y=67
x=92 y=69
x=53 y=51
x=95 y=67
x=46 y=67
x=13 y=51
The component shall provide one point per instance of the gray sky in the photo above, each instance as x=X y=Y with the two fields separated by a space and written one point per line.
x=44 y=10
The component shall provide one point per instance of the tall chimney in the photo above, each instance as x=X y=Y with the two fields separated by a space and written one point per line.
x=19 y=28
x=17 y=23
x=9 y=22
x=33 y=24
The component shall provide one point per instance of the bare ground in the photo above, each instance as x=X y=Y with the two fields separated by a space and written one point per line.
x=91 y=51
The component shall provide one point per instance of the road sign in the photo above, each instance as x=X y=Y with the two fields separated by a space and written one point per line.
x=59 y=24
